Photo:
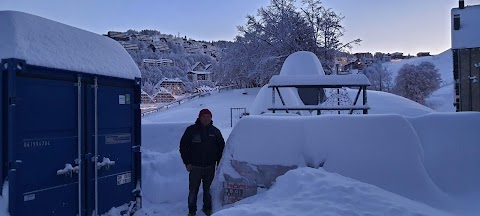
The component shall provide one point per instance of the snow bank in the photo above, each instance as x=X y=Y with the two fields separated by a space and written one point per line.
x=379 y=102
x=387 y=103
x=164 y=178
x=382 y=150
x=162 y=137
x=452 y=151
x=47 y=43
x=307 y=191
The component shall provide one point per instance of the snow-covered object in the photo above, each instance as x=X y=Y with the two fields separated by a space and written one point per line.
x=382 y=150
x=451 y=151
x=467 y=35
x=313 y=192
x=47 y=43
x=302 y=63
x=263 y=100
x=306 y=80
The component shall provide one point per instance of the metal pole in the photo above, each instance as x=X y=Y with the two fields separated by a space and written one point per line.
x=96 y=146
x=231 y=117
x=365 y=111
x=273 y=98
x=79 y=159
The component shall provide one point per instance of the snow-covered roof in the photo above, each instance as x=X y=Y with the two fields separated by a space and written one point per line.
x=316 y=80
x=468 y=34
x=47 y=43
x=200 y=72
x=176 y=80
x=162 y=90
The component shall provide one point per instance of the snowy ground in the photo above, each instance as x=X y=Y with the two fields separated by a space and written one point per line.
x=165 y=180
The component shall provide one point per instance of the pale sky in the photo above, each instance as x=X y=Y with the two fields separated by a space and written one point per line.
x=407 y=26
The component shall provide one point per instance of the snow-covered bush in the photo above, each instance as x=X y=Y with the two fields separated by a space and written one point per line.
x=417 y=82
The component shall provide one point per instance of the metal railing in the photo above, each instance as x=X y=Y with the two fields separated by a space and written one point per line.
x=236 y=114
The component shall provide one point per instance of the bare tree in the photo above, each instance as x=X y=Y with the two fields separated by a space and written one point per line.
x=380 y=77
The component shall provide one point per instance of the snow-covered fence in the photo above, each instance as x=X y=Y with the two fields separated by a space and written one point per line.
x=175 y=103
x=183 y=100
x=225 y=88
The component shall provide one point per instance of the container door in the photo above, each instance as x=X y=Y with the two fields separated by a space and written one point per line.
x=113 y=184
x=46 y=147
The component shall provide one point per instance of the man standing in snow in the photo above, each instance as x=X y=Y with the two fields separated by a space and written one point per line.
x=201 y=148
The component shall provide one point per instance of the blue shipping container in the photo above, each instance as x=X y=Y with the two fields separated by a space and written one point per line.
x=70 y=138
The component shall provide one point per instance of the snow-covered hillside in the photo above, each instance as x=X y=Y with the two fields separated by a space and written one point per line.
x=442 y=99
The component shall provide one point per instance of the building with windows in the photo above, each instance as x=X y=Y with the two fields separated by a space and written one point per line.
x=146 y=99
x=175 y=86
x=163 y=96
x=200 y=72
x=465 y=21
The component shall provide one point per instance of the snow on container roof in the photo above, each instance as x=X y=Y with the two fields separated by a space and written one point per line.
x=302 y=63
x=468 y=34
x=316 y=80
x=47 y=43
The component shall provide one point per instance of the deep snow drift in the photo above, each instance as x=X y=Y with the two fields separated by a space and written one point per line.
x=165 y=180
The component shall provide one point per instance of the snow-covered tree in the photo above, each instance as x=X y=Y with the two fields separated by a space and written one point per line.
x=277 y=31
x=417 y=82
x=379 y=76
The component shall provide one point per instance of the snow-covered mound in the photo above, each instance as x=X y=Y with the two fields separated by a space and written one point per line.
x=312 y=192
x=47 y=43
x=302 y=63
x=432 y=159
x=451 y=151
x=379 y=102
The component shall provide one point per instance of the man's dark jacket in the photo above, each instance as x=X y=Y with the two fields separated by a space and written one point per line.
x=201 y=145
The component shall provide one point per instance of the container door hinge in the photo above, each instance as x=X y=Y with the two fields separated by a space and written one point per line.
x=135 y=148
x=11 y=101
x=14 y=165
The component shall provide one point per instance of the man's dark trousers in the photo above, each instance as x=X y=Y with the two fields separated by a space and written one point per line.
x=196 y=176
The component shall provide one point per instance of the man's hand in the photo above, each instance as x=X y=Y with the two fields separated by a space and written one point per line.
x=189 y=167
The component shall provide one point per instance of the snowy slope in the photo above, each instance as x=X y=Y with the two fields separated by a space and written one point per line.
x=442 y=99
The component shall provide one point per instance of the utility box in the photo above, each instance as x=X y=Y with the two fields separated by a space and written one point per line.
x=70 y=119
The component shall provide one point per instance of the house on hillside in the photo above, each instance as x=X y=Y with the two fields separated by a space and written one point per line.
x=163 y=96
x=141 y=37
x=421 y=54
x=118 y=36
x=397 y=55
x=199 y=72
x=146 y=99
x=157 y=62
x=175 y=86
x=159 y=46
x=129 y=46
x=466 y=56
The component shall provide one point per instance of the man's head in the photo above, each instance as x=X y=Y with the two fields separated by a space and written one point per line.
x=205 y=117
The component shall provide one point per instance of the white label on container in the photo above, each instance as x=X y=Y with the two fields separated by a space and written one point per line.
x=124 y=178
x=28 y=197
x=121 y=99
x=118 y=138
